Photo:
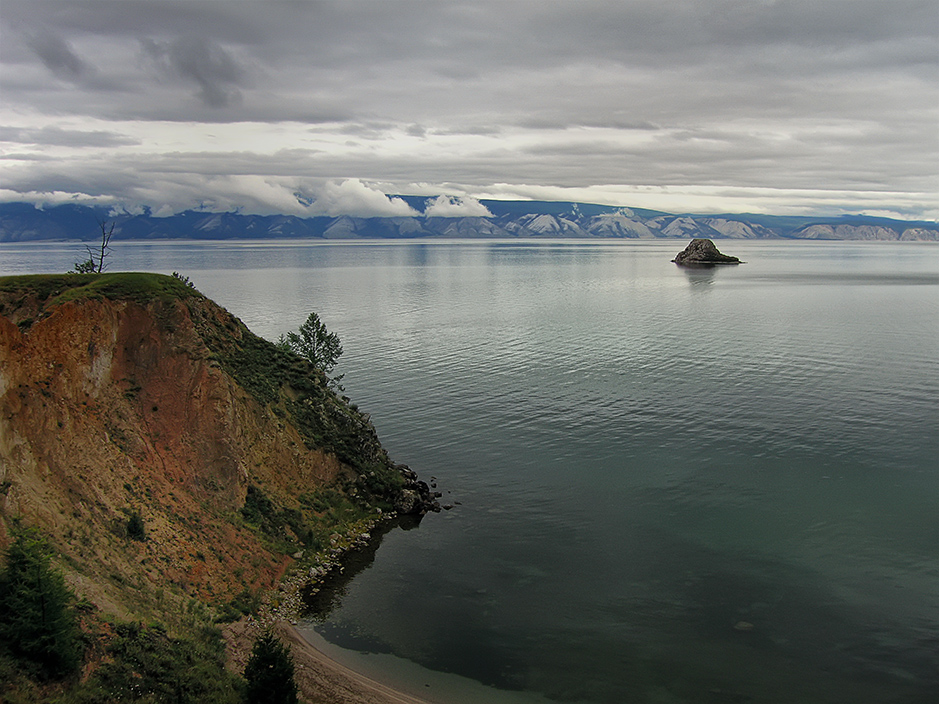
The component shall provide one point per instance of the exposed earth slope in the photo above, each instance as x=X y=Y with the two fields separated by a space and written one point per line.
x=126 y=395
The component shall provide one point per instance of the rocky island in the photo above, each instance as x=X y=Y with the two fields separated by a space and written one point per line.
x=703 y=252
x=182 y=472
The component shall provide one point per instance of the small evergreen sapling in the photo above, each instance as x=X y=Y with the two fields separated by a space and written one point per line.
x=269 y=672
x=38 y=623
x=135 y=527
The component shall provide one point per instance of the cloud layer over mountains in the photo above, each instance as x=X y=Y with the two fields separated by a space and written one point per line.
x=305 y=108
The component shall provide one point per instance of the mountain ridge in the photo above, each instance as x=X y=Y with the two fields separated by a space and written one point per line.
x=23 y=222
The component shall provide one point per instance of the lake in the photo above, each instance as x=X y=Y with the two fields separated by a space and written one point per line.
x=669 y=485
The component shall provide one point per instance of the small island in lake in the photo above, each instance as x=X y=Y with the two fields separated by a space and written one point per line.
x=703 y=252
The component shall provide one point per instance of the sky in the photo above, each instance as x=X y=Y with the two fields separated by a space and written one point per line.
x=306 y=107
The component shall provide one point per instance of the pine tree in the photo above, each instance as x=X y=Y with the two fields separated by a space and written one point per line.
x=315 y=343
x=37 y=620
x=269 y=672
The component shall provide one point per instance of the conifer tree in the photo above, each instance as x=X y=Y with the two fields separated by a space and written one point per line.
x=269 y=672
x=37 y=620
x=315 y=343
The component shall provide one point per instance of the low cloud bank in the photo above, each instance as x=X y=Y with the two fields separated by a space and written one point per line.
x=454 y=207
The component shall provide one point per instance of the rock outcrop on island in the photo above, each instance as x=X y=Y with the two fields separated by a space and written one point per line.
x=702 y=252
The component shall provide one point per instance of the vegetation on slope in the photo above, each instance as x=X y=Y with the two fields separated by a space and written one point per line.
x=300 y=391
x=47 y=640
x=165 y=541
x=38 y=622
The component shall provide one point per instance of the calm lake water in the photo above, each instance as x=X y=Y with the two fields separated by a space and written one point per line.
x=714 y=485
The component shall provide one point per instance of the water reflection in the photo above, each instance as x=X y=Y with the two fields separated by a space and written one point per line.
x=320 y=601
x=700 y=275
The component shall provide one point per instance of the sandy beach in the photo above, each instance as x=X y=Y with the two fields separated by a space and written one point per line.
x=320 y=679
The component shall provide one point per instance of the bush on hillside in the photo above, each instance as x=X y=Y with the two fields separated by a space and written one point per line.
x=145 y=664
x=38 y=622
x=135 y=527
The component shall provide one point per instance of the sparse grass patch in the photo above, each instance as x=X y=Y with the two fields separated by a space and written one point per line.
x=241 y=605
x=59 y=288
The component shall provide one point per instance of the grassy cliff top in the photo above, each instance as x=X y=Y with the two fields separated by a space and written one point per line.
x=59 y=288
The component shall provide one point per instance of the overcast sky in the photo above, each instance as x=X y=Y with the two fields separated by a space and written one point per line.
x=777 y=106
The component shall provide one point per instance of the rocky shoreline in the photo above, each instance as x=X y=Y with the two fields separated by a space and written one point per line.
x=310 y=572
x=417 y=497
x=318 y=677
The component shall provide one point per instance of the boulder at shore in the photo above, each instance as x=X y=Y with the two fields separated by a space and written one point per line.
x=702 y=252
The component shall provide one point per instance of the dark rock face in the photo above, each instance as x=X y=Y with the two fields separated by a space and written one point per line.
x=702 y=252
x=415 y=498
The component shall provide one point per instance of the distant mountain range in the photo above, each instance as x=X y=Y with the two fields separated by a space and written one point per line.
x=21 y=222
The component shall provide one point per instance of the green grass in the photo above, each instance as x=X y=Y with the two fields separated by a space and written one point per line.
x=320 y=514
x=60 y=288
x=127 y=660
x=144 y=663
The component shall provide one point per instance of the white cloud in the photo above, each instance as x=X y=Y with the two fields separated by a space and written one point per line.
x=456 y=207
x=127 y=210
x=259 y=195
x=352 y=197
x=167 y=194
x=42 y=199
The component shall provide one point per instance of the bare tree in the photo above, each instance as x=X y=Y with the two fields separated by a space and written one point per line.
x=94 y=264
x=105 y=249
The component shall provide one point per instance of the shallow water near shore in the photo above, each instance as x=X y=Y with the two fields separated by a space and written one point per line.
x=707 y=485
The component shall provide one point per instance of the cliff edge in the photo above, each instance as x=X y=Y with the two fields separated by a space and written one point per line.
x=170 y=454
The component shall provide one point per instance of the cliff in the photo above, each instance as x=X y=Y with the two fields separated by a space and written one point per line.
x=132 y=395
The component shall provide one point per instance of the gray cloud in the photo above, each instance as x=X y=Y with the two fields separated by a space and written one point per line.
x=203 y=62
x=785 y=94
x=55 y=136
x=59 y=57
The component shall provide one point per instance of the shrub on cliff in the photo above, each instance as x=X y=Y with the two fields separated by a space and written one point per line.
x=38 y=623
x=144 y=663
x=135 y=527
x=269 y=673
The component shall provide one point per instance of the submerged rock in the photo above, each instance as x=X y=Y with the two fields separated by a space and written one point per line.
x=702 y=252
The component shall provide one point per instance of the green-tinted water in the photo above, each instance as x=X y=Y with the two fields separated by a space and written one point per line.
x=646 y=459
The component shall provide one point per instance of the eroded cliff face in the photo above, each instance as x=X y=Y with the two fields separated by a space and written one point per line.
x=110 y=406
